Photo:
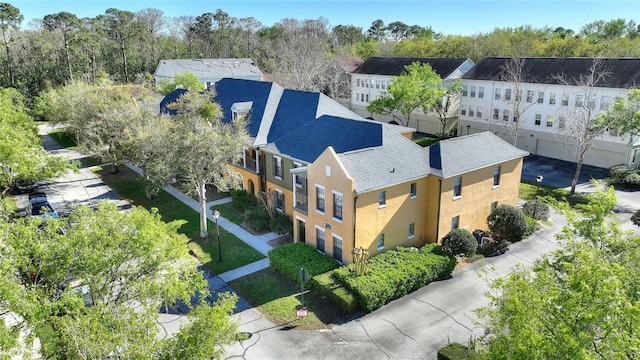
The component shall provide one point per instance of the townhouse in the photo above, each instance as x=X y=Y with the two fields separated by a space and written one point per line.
x=348 y=182
x=543 y=112
x=372 y=78
x=208 y=71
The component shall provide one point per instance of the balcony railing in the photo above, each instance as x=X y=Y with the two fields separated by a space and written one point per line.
x=302 y=200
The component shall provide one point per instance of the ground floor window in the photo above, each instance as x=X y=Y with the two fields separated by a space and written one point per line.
x=320 y=239
x=337 y=248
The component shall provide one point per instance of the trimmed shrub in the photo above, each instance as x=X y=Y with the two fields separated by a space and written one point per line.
x=460 y=242
x=257 y=218
x=329 y=288
x=456 y=351
x=532 y=225
x=396 y=273
x=281 y=224
x=508 y=222
x=624 y=176
x=288 y=259
x=493 y=248
x=536 y=209
x=617 y=172
x=242 y=200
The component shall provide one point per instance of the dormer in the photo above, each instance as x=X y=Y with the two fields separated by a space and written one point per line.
x=240 y=110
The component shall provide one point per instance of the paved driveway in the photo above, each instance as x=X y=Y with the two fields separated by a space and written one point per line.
x=558 y=173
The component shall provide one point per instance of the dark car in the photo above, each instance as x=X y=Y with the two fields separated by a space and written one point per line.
x=39 y=206
x=24 y=187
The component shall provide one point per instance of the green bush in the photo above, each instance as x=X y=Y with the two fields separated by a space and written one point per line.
x=492 y=248
x=623 y=175
x=536 y=209
x=532 y=225
x=281 y=224
x=460 y=242
x=635 y=218
x=288 y=259
x=456 y=351
x=396 y=273
x=617 y=172
x=507 y=222
x=257 y=218
x=242 y=199
x=329 y=288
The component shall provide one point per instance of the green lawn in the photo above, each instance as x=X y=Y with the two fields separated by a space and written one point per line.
x=229 y=212
x=426 y=141
x=61 y=136
x=278 y=298
x=532 y=192
x=235 y=252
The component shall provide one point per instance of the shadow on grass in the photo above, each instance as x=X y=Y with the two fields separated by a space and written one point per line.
x=235 y=253
x=278 y=299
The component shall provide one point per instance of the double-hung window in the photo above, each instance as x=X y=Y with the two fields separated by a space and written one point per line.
x=465 y=90
x=337 y=247
x=411 y=233
x=457 y=187
x=413 y=190
x=380 y=241
x=279 y=200
x=320 y=198
x=382 y=198
x=538 y=119
x=337 y=205
x=473 y=91
x=320 y=239
x=507 y=94
x=496 y=175
x=277 y=167
x=480 y=92
x=540 y=97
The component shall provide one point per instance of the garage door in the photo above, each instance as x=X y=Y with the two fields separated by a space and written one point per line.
x=603 y=158
x=555 y=150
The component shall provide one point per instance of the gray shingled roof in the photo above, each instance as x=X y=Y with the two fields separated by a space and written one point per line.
x=241 y=68
x=459 y=155
x=398 y=160
x=624 y=72
x=395 y=66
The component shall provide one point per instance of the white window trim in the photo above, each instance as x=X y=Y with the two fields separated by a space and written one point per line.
x=325 y=239
x=325 y=199
x=278 y=158
x=333 y=237
x=296 y=165
x=333 y=192
x=378 y=246
x=283 y=204
x=411 y=236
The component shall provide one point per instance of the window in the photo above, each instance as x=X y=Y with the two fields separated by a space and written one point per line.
x=479 y=112
x=362 y=97
x=327 y=170
x=565 y=99
x=366 y=97
x=604 y=102
x=380 y=241
x=384 y=84
x=465 y=89
x=496 y=114
x=496 y=175
x=412 y=191
x=411 y=230
x=507 y=94
x=463 y=110
x=320 y=239
x=320 y=198
x=561 y=122
x=505 y=115
x=480 y=92
x=552 y=98
x=457 y=187
x=279 y=200
x=471 y=111
x=473 y=91
x=337 y=248
x=518 y=95
x=297 y=179
x=337 y=205
x=455 y=221
x=538 y=120
x=540 y=97
x=277 y=167
x=366 y=83
x=377 y=84
x=579 y=100
x=497 y=95
x=493 y=207
x=358 y=82
x=529 y=96
x=549 y=120
x=381 y=198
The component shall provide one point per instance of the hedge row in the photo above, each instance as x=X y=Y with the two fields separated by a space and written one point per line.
x=287 y=260
x=396 y=273
x=326 y=285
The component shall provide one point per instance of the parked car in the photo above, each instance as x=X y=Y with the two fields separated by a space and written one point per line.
x=39 y=206
x=24 y=187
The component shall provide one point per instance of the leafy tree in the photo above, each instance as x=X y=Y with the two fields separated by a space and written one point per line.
x=347 y=34
x=122 y=27
x=67 y=24
x=95 y=289
x=185 y=80
x=418 y=86
x=460 y=242
x=205 y=145
x=624 y=115
x=398 y=30
x=578 y=302
x=10 y=19
x=22 y=157
x=377 y=30
x=507 y=222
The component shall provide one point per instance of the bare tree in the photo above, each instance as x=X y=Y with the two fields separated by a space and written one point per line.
x=582 y=126
x=515 y=73
x=154 y=21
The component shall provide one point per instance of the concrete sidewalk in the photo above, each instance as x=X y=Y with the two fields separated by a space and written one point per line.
x=258 y=242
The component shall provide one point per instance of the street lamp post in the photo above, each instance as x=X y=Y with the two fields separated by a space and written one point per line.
x=216 y=215
x=538 y=182
x=468 y=128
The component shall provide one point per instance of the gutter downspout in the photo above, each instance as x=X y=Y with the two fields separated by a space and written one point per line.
x=439 y=203
x=355 y=203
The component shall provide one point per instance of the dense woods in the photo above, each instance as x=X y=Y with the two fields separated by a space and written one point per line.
x=124 y=47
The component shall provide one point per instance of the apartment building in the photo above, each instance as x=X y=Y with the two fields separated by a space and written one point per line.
x=544 y=111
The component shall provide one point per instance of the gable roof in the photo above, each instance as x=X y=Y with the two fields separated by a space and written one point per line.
x=624 y=73
x=209 y=69
x=232 y=91
x=395 y=66
x=460 y=155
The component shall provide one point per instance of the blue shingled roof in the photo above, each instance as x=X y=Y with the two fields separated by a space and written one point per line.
x=230 y=91
x=169 y=99
x=296 y=108
x=308 y=142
